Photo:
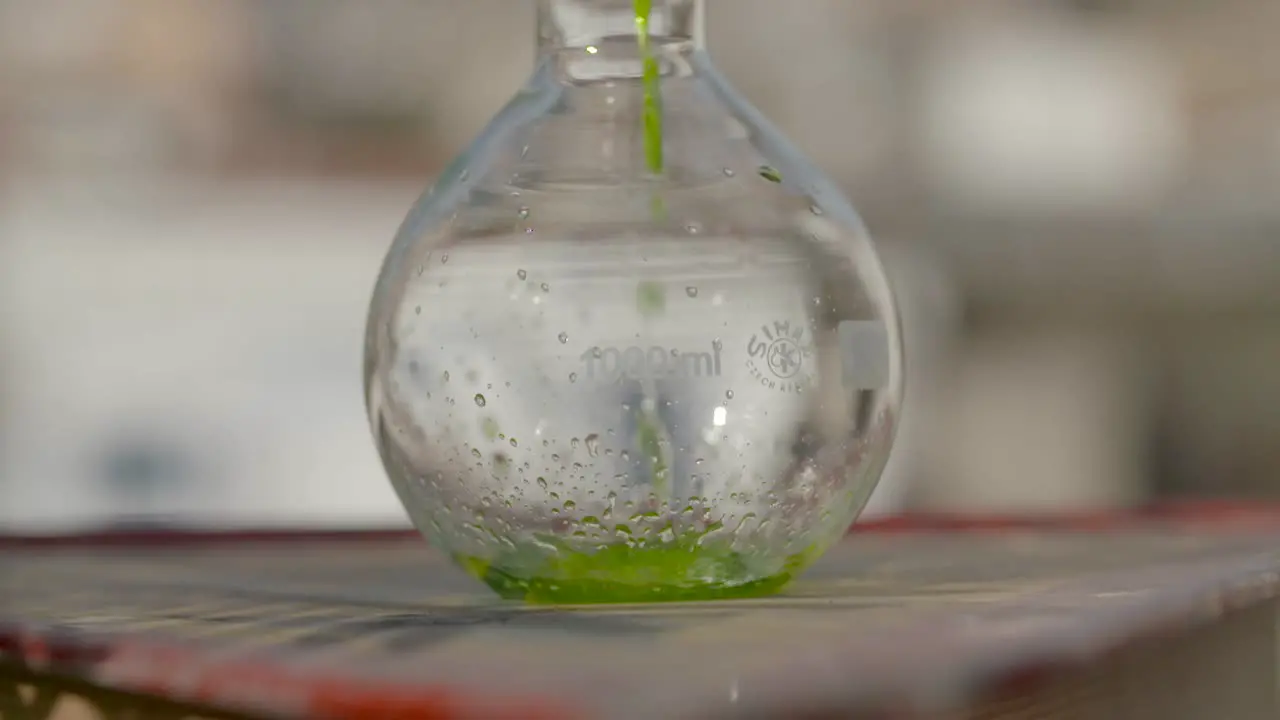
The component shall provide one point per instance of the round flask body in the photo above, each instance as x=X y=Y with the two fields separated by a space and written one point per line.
x=592 y=383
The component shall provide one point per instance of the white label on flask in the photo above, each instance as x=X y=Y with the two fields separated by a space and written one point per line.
x=864 y=350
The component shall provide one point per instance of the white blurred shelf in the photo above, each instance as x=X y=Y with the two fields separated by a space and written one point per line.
x=1193 y=265
x=223 y=322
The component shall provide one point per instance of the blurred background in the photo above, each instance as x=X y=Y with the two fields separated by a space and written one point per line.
x=1079 y=201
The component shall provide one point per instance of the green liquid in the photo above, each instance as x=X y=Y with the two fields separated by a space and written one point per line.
x=770 y=174
x=676 y=571
x=652 y=89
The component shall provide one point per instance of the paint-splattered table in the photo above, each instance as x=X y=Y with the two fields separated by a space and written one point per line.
x=1167 y=616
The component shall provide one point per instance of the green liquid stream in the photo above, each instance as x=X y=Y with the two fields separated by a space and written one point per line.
x=651 y=80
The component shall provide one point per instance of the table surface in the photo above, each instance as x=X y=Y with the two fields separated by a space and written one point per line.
x=385 y=627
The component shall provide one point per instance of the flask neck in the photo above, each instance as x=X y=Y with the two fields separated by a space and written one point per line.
x=606 y=37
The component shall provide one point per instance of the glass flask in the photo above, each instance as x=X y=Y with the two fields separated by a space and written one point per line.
x=632 y=346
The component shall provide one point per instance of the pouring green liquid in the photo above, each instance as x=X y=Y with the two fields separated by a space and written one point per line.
x=651 y=81
x=676 y=568
x=653 y=151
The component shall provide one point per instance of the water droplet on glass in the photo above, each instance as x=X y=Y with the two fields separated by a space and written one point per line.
x=475 y=452
x=593 y=445
x=445 y=376
x=770 y=174
x=480 y=400
x=522 y=274
x=729 y=394
x=564 y=338
x=444 y=259
x=573 y=377
x=524 y=213
x=573 y=443
x=691 y=291
x=417 y=310
x=546 y=287
x=815 y=210
x=542 y=483
x=514 y=443
x=466 y=173
x=728 y=172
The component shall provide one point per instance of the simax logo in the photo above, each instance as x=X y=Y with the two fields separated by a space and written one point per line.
x=776 y=356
